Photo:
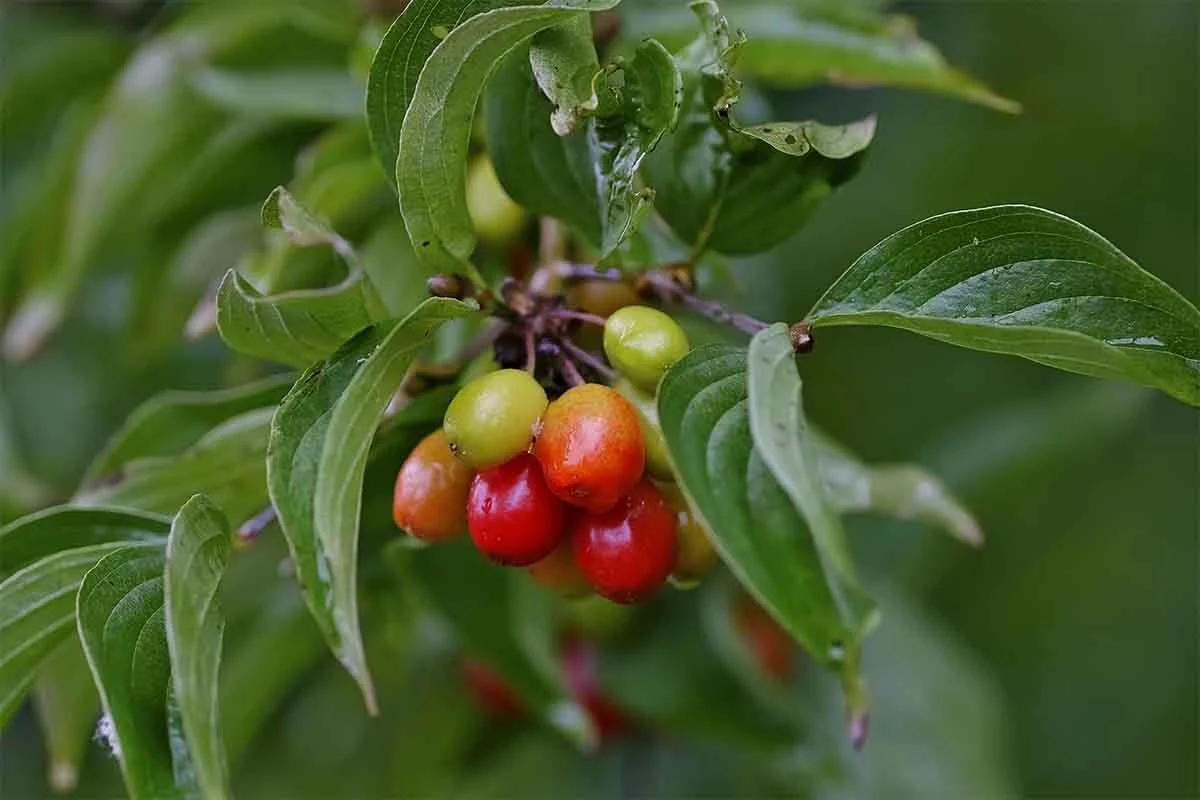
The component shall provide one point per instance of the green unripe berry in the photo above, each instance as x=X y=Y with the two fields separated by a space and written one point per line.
x=643 y=343
x=496 y=217
x=658 y=463
x=493 y=418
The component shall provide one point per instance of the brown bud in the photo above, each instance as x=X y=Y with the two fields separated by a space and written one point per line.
x=515 y=295
x=448 y=284
x=802 y=338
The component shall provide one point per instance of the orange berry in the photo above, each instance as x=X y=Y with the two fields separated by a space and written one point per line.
x=590 y=447
x=430 y=497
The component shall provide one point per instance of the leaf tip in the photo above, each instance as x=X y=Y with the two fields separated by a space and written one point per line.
x=857 y=728
x=63 y=777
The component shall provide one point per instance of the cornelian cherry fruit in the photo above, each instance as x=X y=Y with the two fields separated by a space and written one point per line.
x=513 y=517
x=430 y=497
x=771 y=645
x=628 y=551
x=590 y=447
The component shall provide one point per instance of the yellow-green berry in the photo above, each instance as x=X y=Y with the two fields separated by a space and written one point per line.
x=494 y=417
x=643 y=343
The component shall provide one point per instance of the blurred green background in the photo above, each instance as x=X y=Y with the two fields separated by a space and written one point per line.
x=1083 y=604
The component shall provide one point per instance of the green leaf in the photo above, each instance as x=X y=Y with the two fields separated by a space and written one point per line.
x=398 y=62
x=903 y=491
x=636 y=111
x=305 y=325
x=705 y=412
x=294 y=328
x=67 y=708
x=435 y=136
x=53 y=530
x=550 y=175
x=781 y=437
x=319 y=441
x=37 y=607
x=802 y=44
x=501 y=618
x=171 y=421
x=122 y=626
x=301 y=93
x=198 y=552
x=742 y=189
x=564 y=65
x=228 y=464
x=1028 y=282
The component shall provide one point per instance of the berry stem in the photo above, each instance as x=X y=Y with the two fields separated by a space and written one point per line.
x=569 y=370
x=666 y=289
x=592 y=360
x=582 y=316
x=530 y=348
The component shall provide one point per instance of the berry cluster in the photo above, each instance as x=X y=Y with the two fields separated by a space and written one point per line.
x=579 y=489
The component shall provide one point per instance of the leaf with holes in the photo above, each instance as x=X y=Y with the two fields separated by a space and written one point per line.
x=198 y=552
x=319 y=441
x=1027 y=282
x=736 y=188
x=639 y=104
x=549 y=175
x=564 y=64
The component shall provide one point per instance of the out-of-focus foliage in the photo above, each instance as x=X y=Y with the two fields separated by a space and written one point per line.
x=137 y=143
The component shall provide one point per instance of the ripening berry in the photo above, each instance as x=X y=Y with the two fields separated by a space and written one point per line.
x=643 y=343
x=430 y=498
x=627 y=552
x=694 y=553
x=496 y=217
x=591 y=447
x=658 y=463
x=494 y=417
x=559 y=573
x=496 y=696
x=771 y=645
x=602 y=298
x=512 y=515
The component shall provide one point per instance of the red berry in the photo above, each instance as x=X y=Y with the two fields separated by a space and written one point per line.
x=430 y=497
x=512 y=515
x=628 y=551
x=579 y=664
x=490 y=689
x=590 y=447
x=771 y=645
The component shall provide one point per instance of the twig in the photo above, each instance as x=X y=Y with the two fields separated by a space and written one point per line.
x=582 y=316
x=530 y=349
x=577 y=352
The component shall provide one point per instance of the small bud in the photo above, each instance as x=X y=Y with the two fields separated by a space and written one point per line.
x=514 y=295
x=802 y=338
x=448 y=284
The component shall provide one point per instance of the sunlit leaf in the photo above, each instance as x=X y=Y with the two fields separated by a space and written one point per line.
x=1028 y=282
